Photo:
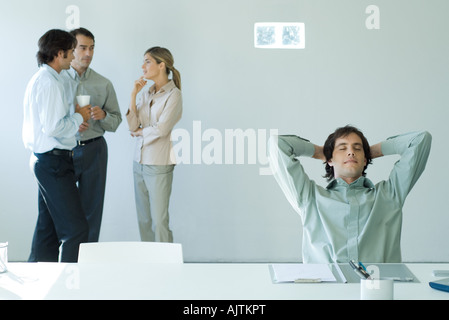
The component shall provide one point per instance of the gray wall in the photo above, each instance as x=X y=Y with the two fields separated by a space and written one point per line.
x=385 y=81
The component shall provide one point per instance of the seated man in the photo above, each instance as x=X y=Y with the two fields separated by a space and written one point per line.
x=351 y=218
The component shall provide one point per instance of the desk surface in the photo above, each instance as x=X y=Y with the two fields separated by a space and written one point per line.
x=188 y=281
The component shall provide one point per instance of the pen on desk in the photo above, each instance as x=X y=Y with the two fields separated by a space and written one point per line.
x=359 y=270
x=361 y=264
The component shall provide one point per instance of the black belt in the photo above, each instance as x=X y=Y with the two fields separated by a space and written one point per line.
x=60 y=152
x=83 y=143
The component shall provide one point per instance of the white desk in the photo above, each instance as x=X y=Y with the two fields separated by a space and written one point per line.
x=188 y=281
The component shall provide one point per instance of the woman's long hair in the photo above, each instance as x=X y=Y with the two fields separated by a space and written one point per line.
x=164 y=55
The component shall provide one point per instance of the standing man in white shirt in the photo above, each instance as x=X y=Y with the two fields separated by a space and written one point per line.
x=49 y=130
x=90 y=156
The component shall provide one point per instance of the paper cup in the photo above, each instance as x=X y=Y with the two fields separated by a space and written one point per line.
x=376 y=289
x=83 y=100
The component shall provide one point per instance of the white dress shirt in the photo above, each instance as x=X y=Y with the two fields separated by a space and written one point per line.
x=47 y=122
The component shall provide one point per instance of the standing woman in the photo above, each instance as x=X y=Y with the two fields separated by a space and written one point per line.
x=151 y=121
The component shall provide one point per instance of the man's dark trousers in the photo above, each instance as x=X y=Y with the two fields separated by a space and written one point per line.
x=90 y=160
x=61 y=224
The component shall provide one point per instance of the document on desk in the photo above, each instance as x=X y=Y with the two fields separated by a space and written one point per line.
x=395 y=271
x=301 y=273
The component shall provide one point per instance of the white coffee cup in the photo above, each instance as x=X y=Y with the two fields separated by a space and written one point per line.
x=83 y=100
x=376 y=289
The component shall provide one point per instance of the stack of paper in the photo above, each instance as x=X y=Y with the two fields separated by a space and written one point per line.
x=298 y=272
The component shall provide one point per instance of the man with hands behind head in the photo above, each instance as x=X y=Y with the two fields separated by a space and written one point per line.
x=350 y=219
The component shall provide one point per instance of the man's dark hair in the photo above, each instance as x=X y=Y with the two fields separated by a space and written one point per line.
x=84 y=32
x=329 y=145
x=51 y=43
